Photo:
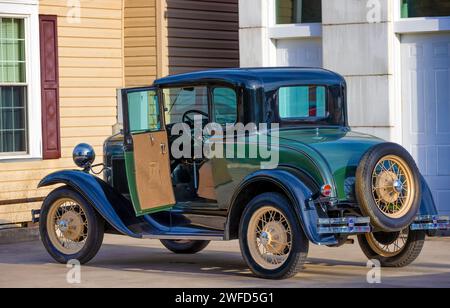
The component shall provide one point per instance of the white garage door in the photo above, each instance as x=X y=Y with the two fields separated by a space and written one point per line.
x=426 y=109
x=299 y=52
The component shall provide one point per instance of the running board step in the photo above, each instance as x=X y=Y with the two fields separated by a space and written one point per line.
x=430 y=222
x=196 y=237
x=345 y=225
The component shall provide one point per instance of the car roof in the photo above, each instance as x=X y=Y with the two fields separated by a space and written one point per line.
x=268 y=77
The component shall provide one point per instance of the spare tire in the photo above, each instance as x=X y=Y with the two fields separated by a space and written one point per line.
x=388 y=187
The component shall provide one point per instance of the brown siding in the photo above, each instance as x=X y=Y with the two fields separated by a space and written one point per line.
x=140 y=42
x=202 y=34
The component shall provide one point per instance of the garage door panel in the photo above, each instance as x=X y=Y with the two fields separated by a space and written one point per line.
x=426 y=109
x=442 y=200
x=443 y=160
x=417 y=120
x=420 y=151
x=442 y=81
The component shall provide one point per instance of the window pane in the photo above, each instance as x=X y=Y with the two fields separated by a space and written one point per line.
x=299 y=11
x=13 y=119
x=425 y=8
x=225 y=106
x=143 y=111
x=179 y=100
x=302 y=102
x=12 y=51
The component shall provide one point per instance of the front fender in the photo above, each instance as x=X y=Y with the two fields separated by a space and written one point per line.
x=300 y=196
x=111 y=205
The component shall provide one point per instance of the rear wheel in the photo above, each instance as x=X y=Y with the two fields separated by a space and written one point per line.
x=272 y=241
x=185 y=246
x=70 y=227
x=393 y=249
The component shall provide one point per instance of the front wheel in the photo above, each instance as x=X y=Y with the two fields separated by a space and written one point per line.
x=70 y=227
x=185 y=246
x=393 y=249
x=272 y=240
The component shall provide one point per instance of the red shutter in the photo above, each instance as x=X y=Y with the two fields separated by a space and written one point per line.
x=51 y=144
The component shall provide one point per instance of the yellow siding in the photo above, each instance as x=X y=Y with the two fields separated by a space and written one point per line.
x=140 y=42
x=91 y=69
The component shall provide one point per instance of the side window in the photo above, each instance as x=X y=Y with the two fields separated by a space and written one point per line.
x=302 y=102
x=224 y=105
x=13 y=87
x=425 y=8
x=298 y=11
x=143 y=111
x=179 y=100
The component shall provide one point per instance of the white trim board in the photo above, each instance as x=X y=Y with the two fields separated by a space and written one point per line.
x=29 y=10
x=421 y=25
x=20 y=2
x=295 y=31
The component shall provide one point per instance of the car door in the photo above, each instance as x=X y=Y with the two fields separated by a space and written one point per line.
x=146 y=151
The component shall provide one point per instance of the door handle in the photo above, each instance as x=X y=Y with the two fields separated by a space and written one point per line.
x=152 y=139
x=163 y=148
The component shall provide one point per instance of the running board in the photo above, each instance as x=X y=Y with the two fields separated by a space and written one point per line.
x=345 y=225
x=430 y=222
x=193 y=237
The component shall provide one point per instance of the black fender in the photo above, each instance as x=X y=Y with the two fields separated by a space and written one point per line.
x=301 y=199
x=427 y=204
x=109 y=203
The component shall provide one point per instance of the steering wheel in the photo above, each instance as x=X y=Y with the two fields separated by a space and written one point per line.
x=190 y=120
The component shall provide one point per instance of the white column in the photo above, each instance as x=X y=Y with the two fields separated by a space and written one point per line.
x=254 y=40
x=358 y=40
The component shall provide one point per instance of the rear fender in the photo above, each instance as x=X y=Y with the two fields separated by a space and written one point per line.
x=427 y=204
x=301 y=199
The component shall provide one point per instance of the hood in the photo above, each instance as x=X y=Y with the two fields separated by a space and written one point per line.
x=340 y=148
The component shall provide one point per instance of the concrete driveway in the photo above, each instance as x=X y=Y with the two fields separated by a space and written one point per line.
x=125 y=262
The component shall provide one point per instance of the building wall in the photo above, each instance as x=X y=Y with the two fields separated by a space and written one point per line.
x=140 y=40
x=361 y=50
x=202 y=34
x=352 y=46
x=90 y=68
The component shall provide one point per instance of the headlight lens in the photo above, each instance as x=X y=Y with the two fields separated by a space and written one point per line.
x=83 y=155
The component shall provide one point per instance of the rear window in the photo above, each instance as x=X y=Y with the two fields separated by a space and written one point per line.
x=302 y=103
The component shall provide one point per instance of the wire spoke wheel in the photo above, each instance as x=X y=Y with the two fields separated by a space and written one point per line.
x=67 y=226
x=388 y=244
x=269 y=237
x=393 y=186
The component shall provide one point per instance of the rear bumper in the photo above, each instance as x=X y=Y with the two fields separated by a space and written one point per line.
x=345 y=225
x=358 y=225
x=431 y=222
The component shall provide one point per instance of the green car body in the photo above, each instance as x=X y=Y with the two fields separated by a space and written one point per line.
x=303 y=177
x=311 y=154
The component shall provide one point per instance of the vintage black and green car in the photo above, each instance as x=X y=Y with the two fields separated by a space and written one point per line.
x=286 y=170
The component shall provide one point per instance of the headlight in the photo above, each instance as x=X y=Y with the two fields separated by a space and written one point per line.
x=83 y=155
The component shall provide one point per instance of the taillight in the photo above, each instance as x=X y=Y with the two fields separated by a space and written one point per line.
x=326 y=190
